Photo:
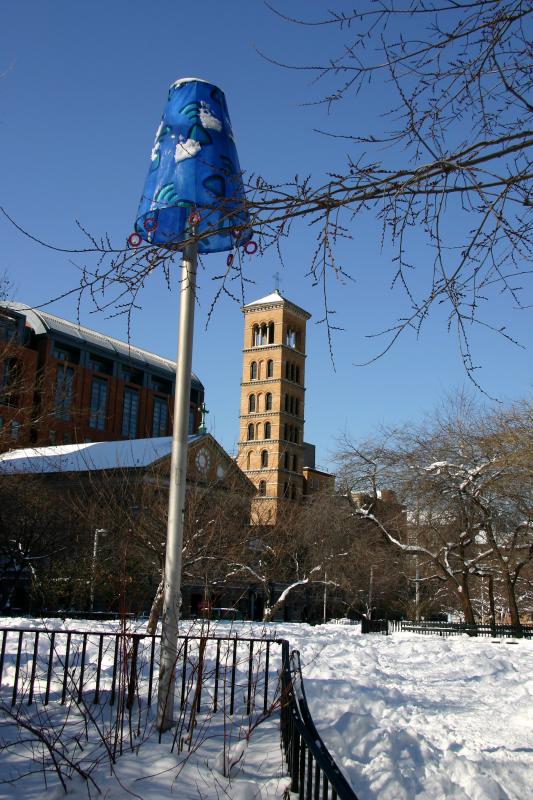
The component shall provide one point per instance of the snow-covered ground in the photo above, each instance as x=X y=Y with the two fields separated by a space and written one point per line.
x=405 y=716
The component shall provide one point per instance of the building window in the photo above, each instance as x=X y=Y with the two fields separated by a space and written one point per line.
x=251 y=403
x=132 y=375
x=295 y=463
x=293 y=372
x=64 y=391
x=297 y=375
x=253 y=371
x=67 y=438
x=164 y=386
x=98 y=404
x=249 y=460
x=262 y=488
x=100 y=364
x=271 y=333
x=130 y=411
x=290 y=340
x=1 y=422
x=160 y=417
x=270 y=368
x=15 y=429
x=267 y=430
x=250 y=432
x=65 y=353
x=268 y=402
x=286 y=460
x=264 y=458
x=52 y=437
x=297 y=407
x=10 y=382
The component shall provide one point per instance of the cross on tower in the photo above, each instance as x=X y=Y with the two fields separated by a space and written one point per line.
x=277 y=280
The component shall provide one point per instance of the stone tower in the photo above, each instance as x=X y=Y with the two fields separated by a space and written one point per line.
x=271 y=451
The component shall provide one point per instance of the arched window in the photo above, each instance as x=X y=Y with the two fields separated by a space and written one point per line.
x=285 y=430
x=297 y=407
x=270 y=368
x=296 y=435
x=262 y=488
x=287 y=370
x=260 y=370
x=286 y=402
x=264 y=458
x=268 y=402
x=295 y=463
x=293 y=372
x=271 y=333
x=297 y=375
x=257 y=429
x=250 y=432
x=286 y=459
x=251 y=403
x=290 y=340
x=255 y=336
x=264 y=334
x=249 y=460
x=253 y=371
x=291 y=405
x=267 y=430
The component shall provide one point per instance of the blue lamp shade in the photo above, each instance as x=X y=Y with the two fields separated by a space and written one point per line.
x=194 y=176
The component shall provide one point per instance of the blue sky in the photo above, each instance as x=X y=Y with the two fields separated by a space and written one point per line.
x=83 y=89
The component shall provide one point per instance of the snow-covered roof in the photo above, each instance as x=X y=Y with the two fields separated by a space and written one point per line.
x=275 y=297
x=127 y=454
x=42 y=322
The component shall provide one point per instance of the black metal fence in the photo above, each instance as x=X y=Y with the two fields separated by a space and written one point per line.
x=119 y=670
x=441 y=628
x=313 y=772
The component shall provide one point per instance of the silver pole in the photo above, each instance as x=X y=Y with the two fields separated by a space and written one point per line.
x=176 y=497
x=325 y=615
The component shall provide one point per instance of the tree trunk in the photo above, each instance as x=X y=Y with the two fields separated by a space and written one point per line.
x=155 y=611
x=491 y=604
x=511 y=599
x=466 y=603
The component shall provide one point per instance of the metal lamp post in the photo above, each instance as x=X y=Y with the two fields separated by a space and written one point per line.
x=193 y=201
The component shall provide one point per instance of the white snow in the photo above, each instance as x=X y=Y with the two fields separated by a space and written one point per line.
x=208 y=119
x=127 y=454
x=405 y=716
x=186 y=149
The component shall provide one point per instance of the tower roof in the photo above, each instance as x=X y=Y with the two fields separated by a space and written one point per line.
x=275 y=299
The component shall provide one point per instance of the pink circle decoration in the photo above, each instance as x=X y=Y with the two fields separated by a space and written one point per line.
x=250 y=248
x=134 y=239
x=194 y=218
x=150 y=224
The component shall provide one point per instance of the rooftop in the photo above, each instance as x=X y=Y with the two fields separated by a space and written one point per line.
x=275 y=297
x=91 y=456
x=42 y=322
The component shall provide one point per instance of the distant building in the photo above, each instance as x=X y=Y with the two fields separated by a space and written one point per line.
x=61 y=382
x=271 y=451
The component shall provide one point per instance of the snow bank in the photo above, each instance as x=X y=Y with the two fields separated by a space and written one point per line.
x=405 y=716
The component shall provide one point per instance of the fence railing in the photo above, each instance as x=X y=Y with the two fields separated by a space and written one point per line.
x=119 y=671
x=313 y=772
x=442 y=628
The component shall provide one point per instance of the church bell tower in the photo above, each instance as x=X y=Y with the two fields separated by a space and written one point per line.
x=270 y=450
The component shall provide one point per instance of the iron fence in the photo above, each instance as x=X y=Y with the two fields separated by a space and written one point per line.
x=118 y=670
x=441 y=628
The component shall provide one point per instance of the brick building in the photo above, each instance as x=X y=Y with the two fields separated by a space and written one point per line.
x=62 y=383
x=272 y=452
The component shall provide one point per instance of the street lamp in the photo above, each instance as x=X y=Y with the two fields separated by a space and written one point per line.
x=193 y=201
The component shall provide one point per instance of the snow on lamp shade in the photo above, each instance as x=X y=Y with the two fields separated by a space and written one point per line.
x=194 y=173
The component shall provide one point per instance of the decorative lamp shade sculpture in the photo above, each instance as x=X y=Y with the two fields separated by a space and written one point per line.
x=194 y=177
